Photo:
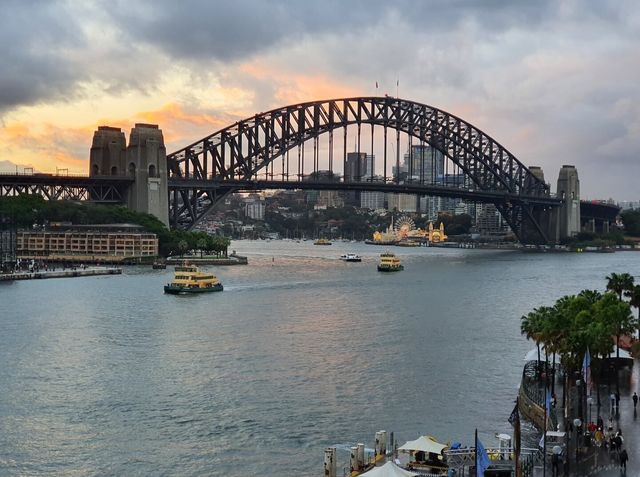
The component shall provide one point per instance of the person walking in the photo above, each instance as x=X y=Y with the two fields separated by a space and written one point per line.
x=624 y=457
x=555 y=464
x=635 y=399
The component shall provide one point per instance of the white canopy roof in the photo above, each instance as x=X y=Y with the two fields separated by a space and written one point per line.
x=423 y=443
x=533 y=354
x=623 y=354
x=389 y=470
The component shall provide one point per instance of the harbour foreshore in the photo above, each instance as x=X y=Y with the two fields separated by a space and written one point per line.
x=66 y=273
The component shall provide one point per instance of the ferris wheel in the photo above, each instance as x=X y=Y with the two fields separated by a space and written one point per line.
x=403 y=226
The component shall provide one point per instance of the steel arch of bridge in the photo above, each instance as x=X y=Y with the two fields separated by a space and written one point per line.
x=230 y=159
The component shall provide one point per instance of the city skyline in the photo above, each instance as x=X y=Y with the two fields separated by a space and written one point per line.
x=554 y=82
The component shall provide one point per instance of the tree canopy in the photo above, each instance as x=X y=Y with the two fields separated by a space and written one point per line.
x=575 y=323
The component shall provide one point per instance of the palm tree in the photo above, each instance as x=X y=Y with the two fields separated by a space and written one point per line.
x=532 y=327
x=619 y=282
x=591 y=295
x=634 y=301
x=617 y=316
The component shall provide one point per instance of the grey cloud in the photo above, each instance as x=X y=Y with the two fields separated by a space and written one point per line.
x=234 y=29
x=33 y=34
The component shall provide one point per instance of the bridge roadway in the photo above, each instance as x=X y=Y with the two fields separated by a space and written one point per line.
x=473 y=195
x=113 y=189
x=103 y=189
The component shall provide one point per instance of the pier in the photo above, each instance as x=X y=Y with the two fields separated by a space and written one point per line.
x=67 y=273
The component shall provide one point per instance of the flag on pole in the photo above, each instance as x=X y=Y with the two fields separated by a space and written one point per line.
x=547 y=402
x=586 y=371
x=514 y=416
x=482 y=458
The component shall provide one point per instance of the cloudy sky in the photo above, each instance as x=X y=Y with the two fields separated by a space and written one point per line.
x=556 y=82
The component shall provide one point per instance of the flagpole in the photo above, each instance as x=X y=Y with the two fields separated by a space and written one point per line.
x=544 y=431
x=517 y=438
x=476 y=453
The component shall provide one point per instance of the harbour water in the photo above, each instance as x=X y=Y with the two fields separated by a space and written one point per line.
x=109 y=376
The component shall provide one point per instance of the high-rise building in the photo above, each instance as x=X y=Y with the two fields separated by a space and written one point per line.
x=488 y=219
x=402 y=202
x=422 y=163
x=373 y=200
x=254 y=207
x=359 y=166
x=330 y=198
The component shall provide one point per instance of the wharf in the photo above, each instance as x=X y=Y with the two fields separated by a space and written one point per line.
x=208 y=260
x=78 y=272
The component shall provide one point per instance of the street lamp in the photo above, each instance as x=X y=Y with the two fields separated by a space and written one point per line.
x=577 y=423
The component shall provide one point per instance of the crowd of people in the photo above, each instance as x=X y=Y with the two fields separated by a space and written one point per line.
x=611 y=436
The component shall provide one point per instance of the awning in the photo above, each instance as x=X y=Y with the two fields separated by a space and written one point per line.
x=389 y=470
x=533 y=354
x=425 y=444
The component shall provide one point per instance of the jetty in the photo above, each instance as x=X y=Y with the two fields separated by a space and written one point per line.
x=232 y=259
x=66 y=273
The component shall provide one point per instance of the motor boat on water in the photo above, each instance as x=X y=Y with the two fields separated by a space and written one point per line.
x=350 y=257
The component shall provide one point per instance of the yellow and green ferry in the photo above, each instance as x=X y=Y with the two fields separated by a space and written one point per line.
x=389 y=263
x=189 y=279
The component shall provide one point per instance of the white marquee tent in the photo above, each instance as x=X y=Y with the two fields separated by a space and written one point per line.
x=389 y=470
x=425 y=444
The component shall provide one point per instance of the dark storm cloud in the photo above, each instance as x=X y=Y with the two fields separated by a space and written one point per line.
x=234 y=29
x=33 y=36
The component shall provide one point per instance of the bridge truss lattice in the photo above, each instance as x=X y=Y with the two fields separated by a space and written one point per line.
x=268 y=151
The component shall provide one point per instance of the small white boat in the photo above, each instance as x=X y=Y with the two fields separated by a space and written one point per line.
x=350 y=257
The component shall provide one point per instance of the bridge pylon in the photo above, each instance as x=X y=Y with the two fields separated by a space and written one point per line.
x=108 y=152
x=147 y=163
x=567 y=216
x=144 y=160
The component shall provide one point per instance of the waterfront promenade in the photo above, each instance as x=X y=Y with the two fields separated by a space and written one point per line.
x=629 y=423
x=600 y=462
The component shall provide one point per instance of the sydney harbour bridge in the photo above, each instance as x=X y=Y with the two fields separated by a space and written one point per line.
x=305 y=146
